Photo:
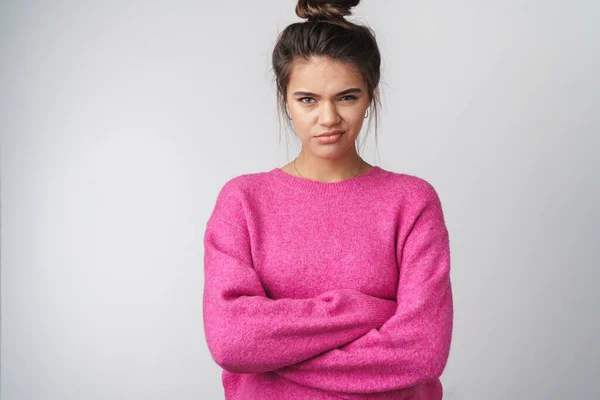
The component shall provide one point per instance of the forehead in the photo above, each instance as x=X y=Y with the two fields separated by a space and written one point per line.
x=322 y=75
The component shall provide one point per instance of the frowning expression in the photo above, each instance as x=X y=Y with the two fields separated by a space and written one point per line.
x=326 y=96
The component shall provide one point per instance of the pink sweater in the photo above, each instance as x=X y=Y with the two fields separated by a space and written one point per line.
x=335 y=290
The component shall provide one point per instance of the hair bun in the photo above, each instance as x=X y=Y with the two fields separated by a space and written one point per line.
x=324 y=9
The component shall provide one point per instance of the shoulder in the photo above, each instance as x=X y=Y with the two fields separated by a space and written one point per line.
x=241 y=186
x=421 y=204
x=236 y=194
x=414 y=189
x=418 y=205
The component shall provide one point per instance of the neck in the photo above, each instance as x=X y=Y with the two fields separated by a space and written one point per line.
x=330 y=170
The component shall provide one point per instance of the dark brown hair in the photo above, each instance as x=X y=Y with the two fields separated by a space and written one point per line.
x=326 y=33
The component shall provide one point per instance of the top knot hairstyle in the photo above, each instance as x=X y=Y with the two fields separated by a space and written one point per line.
x=323 y=10
x=326 y=33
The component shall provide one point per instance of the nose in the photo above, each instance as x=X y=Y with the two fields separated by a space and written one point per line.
x=328 y=115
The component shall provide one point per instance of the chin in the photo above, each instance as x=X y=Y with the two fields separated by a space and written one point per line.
x=331 y=152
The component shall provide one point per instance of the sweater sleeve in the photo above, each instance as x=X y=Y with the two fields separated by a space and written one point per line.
x=247 y=332
x=413 y=345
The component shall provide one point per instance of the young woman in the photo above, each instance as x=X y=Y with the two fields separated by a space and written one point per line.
x=328 y=278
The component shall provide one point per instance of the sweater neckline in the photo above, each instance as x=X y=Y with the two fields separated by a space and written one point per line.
x=309 y=185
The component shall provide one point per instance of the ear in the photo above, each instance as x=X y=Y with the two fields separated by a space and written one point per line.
x=287 y=111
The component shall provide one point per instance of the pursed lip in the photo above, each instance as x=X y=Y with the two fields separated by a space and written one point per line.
x=330 y=133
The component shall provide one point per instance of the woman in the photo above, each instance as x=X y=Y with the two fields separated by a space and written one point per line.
x=328 y=278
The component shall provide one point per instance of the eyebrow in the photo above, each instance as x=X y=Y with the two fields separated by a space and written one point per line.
x=343 y=92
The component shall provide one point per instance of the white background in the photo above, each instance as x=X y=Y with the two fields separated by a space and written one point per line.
x=120 y=121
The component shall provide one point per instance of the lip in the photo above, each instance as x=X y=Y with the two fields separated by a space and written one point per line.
x=330 y=133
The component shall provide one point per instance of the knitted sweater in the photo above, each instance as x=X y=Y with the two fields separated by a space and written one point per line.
x=328 y=290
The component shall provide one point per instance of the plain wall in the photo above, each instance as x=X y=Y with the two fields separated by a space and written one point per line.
x=120 y=121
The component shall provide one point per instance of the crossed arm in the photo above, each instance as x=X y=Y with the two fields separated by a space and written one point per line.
x=413 y=345
x=248 y=332
x=342 y=340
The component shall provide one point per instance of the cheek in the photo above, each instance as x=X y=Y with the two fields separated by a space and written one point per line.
x=303 y=123
x=354 y=118
x=297 y=111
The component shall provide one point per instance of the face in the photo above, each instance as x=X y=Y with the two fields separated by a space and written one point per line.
x=326 y=95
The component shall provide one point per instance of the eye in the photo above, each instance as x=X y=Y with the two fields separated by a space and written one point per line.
x=301 y=100
x=349 y=97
